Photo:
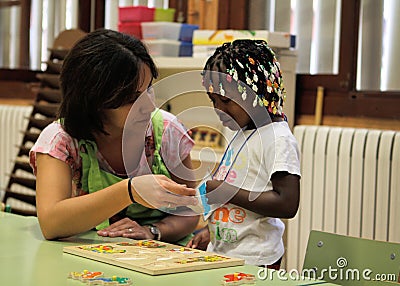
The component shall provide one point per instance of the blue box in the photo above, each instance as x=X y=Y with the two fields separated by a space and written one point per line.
x=186 y=33
x=186 y=49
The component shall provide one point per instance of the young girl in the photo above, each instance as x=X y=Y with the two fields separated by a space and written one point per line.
x=93 y=166
x=257 y=181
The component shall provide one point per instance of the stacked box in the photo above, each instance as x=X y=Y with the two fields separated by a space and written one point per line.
x=163 y=47
x=206 y=41
x=168 y=38
x=161 y=30
x=131 y=28
x=131 y=17
x=164 y=15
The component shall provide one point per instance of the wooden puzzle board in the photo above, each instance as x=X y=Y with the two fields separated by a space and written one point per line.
x=153 y=257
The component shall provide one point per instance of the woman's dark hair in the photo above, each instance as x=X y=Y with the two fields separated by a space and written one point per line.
x=102 y=71
x=253 y=65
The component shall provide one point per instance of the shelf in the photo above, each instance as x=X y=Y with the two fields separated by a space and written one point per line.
x=182 y=63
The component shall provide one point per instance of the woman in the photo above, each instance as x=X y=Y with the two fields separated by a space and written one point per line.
x=105 y=76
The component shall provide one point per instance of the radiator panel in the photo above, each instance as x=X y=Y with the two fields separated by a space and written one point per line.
x=343 y=179
x=13 y=120
x=350 y=185
x=369 y=184
x=331 y=179
x=394 y=214
x=383 y=186
x=319 y=165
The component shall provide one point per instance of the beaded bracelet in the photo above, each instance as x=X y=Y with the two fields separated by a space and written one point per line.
x=130 y=190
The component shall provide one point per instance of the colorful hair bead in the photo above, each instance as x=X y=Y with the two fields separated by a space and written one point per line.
x=221 y=89
x=251 y=63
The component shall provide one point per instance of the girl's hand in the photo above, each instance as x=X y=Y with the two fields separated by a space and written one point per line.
x=200 y=240
x=156 y=191
x=126 y=228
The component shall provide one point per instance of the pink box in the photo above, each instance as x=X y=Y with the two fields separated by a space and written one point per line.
x=136 y=14
x=131 y=28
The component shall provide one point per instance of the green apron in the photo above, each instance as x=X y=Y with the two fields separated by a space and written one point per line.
x=94 y=179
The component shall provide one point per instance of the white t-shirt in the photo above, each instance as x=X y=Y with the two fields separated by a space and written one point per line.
x=249 y=162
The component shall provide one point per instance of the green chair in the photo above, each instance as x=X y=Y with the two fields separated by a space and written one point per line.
x=352 y=261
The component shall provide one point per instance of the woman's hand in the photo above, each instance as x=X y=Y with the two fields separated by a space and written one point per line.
x=156 y=191
x=127 y=228
x=200 y=240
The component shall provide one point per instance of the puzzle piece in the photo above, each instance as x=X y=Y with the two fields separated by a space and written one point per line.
x=183 y=250
x=208 y=258
x=103 y=249
x=110 y=281
x=85 y=275
x=238 y=278
x=142 y=243
x=95 y=278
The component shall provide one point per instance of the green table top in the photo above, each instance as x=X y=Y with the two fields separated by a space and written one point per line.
x=26 y=258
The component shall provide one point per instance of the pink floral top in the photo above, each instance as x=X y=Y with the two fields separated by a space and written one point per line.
x=54 y=141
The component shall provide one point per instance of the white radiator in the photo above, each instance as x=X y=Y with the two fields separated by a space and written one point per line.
x=350 y=185
x=13 y=121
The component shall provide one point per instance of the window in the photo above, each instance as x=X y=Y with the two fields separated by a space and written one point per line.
x=317 y=25
x=348 y=47
x=378 y=46
x=47 y=19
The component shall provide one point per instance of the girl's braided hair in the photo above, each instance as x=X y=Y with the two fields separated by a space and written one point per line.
x=253 y=65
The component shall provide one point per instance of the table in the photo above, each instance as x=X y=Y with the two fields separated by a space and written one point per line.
x=26 y=258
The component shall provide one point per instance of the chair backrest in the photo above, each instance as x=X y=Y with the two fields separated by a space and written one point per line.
x=67 y=39
x=348 y=260
x=20 y=192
